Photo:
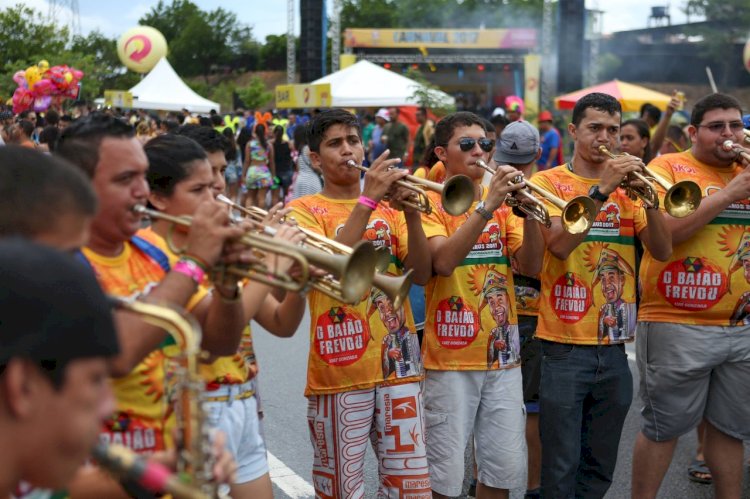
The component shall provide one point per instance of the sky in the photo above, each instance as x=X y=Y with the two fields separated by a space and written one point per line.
x=267 y=17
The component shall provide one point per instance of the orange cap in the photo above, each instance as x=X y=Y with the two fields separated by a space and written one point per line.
x=545 y=116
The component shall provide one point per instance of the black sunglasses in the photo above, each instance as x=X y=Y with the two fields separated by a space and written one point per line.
x=467 y=144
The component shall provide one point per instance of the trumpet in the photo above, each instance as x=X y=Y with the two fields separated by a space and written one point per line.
x=577 y=214
x=681 y=199
x=746 y=134
x=396 y=288
x=355 y=272
x=194 y=454
x=728 y=145
x=457 y=193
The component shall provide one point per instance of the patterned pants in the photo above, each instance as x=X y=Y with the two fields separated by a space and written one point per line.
x=391 y=418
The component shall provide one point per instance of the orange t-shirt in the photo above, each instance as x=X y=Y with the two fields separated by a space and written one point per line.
x=354 y=347
x=471 y=323
x=707 y=279
x=143 y=404
x=589 y=298
x=437 y=172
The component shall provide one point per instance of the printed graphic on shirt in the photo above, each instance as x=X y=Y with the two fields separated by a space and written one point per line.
x=489 y=244
x=607 y=221
x=503 y=344
x=736 y=242
x=340 y=336
x=401 y=355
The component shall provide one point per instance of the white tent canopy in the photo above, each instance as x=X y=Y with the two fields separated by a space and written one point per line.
x=163 y=89
x=365 y=84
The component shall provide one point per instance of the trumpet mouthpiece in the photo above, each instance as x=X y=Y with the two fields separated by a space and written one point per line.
x=351 y=162
x=481 y=163
x=727 y=145
x=140 y=209
x=223 y=199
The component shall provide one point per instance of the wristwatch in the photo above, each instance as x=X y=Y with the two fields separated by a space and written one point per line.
x=597 y=195
x=487 y=215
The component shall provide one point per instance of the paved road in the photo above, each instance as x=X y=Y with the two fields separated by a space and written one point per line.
x=282 y=382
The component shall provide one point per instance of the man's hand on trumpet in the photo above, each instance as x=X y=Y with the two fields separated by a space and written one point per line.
x=279 y=264
x=501 y=185
x=276 y=215
x=616 y=170
x=380 y=177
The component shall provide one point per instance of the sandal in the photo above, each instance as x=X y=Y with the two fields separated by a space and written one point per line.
x=698 y=472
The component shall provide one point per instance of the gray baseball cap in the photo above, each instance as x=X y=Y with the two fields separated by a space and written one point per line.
x=518 y=144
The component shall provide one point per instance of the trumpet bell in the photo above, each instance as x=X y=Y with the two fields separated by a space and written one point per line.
x=396 y=288
x=383 y=255
x=578 y=214
x=458 y=195
x=357 y=271
x=683 y=198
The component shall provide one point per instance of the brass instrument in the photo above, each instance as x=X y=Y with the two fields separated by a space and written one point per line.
x=728 y=145
x=396 y=288
x=535 y=210
x=195 y=458
x=681 y=199
x=457 y=193
x=746 y=133
x=355 y=272
x=577 y=214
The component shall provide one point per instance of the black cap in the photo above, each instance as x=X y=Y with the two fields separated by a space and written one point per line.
x=51 y=306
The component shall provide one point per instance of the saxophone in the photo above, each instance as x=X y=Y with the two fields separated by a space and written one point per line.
x=195 y=459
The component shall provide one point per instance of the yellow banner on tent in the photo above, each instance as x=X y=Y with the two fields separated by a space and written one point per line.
x=118 y=98
x=294 y=96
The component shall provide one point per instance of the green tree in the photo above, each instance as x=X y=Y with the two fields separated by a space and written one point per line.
x=425 y=94
x=368 y=14
x=727 y=26
x=273 y=53
x=255 y=95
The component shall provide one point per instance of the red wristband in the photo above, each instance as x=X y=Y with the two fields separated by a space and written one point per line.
x=368 y=202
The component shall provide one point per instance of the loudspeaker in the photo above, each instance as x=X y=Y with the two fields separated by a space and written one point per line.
x=571 y=19
x=313 y=31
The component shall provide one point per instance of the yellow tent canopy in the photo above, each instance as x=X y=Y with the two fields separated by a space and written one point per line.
x=631 y=97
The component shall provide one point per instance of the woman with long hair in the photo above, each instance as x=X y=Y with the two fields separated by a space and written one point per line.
x=258 y=169
x=635 y=139
x=281 y=158
x=233 y=173
x=180 y=180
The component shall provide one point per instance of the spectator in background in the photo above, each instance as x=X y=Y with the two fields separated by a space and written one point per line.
x=396 y=137
x=551 y=143
x=309 y=178
x=651 y=115
x=20 y=134
x=659 y=132
x=233 y=173
x=291 y=125
x=635 y=139
x=65 y=121
x=48 y=138
x=499 y=121
x=368 y=125
x=675 y=141
x=377 y=142
x=423 y=136
x=52 y=118
x=281 y=156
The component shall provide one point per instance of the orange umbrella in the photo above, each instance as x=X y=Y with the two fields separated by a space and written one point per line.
x=631 y=97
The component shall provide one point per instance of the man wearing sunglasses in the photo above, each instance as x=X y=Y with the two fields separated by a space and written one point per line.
x=470 y=345
x=694 y=361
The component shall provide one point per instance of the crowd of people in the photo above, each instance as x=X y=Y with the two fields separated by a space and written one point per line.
x=512 y=340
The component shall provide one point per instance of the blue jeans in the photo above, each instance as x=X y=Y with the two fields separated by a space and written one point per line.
x=586 y=392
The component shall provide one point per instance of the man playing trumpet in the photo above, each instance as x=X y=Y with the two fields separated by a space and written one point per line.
x=352 y=392
x=697 y=362
x=587 y=384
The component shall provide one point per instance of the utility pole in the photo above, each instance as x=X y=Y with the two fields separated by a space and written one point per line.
x=548 y=58
x=290 y=51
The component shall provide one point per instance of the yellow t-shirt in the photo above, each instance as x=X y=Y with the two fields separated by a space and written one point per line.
x=589 y=298
x=437 y=172
x=706 y=280
x=142 y=397
x=471 y=322
x=229 y=370
x=351 y=347
x=526 y=288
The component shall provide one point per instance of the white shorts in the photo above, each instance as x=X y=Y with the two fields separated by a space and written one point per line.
x=489 y=403
x=391 y=418
x=237 y=418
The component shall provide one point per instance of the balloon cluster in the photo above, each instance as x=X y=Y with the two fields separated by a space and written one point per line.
x=40 y=85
